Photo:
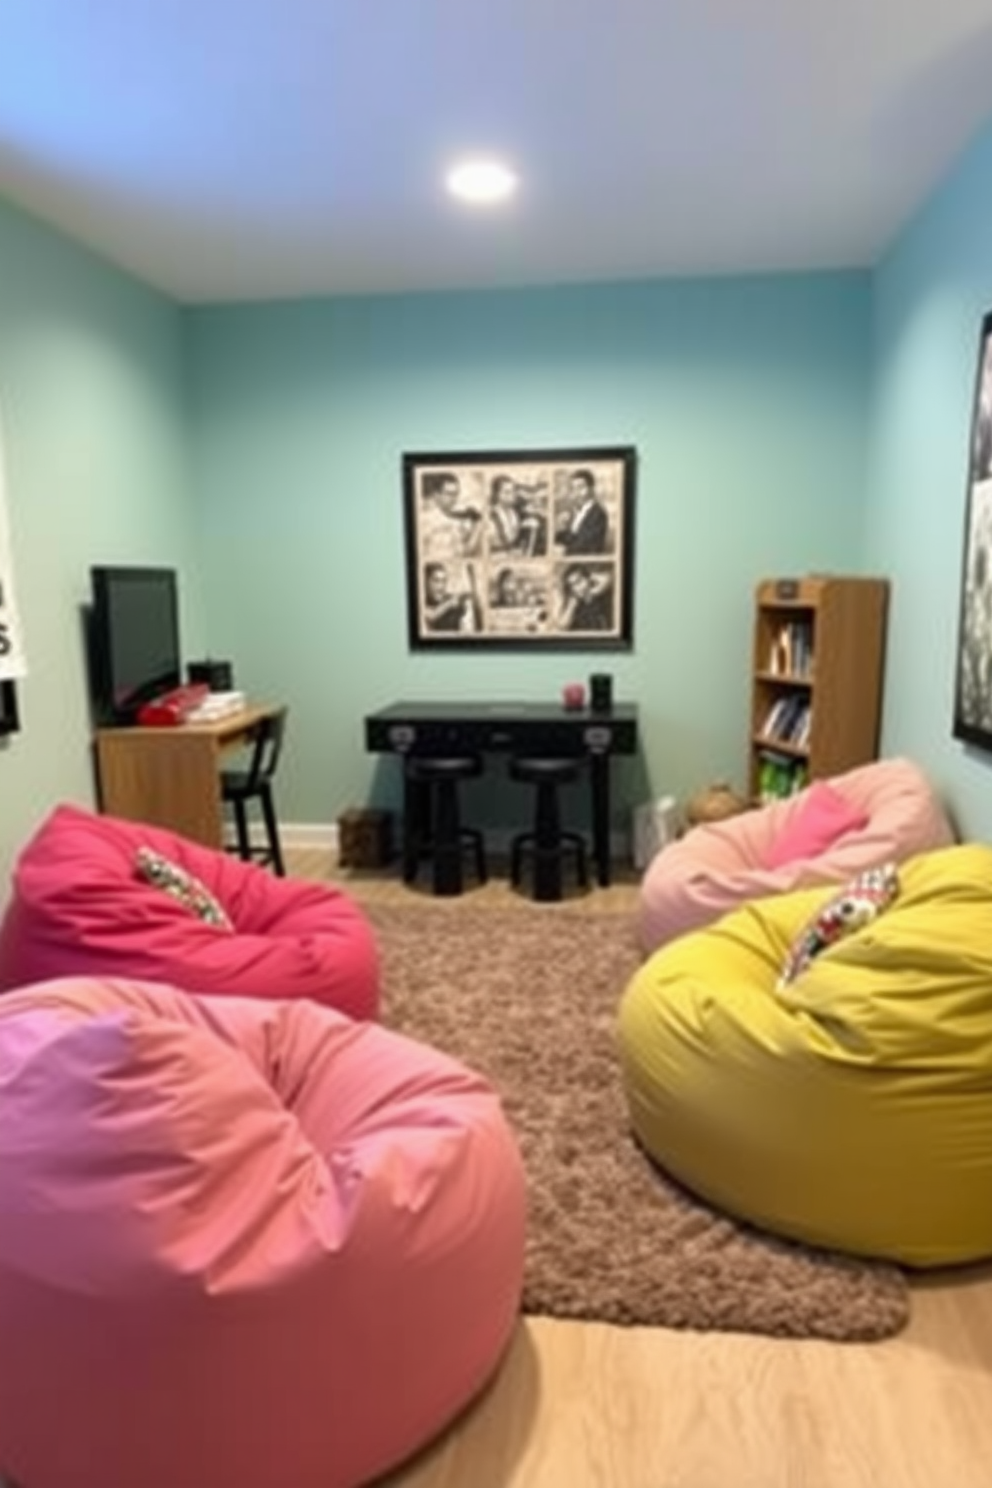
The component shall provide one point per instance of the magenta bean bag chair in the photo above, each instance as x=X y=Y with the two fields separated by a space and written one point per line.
x=79 y=908
x=243 y=1244
x=827 y=833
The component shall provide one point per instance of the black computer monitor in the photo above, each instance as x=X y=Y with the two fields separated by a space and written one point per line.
x=134 y=639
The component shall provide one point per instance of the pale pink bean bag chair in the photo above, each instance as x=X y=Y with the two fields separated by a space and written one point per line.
x=79 y=907
x=242 y=1244
x=885 y=811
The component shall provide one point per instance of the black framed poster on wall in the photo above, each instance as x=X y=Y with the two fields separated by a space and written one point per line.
x=529 y=549
x=973 y=672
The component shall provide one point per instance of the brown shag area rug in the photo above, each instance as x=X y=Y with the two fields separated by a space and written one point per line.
x=529 y=998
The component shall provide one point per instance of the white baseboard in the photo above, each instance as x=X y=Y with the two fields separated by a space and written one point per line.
x=322 y=836
x=309 y=834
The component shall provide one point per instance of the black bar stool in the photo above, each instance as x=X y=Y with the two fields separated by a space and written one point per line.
x=547 y=844
x=433 y=827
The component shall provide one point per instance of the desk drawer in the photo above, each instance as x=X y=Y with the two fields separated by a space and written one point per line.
x=566 y=737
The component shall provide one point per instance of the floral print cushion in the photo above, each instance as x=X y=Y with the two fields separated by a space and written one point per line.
x=856 y=904
x=182 y=886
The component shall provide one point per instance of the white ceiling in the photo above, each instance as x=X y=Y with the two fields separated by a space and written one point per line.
x=243 y=149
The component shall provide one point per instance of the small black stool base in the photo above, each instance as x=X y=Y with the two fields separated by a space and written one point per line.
x=548 y=847
x=433 y=828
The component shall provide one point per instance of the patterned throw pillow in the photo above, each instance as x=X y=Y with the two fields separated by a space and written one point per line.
x=186 y=889
x=857 y=904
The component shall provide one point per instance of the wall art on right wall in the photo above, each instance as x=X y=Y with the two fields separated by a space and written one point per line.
x=973 y=680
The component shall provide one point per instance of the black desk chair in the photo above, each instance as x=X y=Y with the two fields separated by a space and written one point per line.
x=240 y=787
x=433 y=826
x=547 y=844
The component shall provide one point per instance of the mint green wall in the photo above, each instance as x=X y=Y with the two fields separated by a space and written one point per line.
x=930 y=294
x=260 y=447
x=746 y=399
x=782 y=423
x=93 y=415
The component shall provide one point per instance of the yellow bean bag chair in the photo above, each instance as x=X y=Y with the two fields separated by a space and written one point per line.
x=850 y=1108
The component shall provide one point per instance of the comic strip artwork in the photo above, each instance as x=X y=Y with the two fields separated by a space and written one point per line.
x=973 y=680
x=520 y=548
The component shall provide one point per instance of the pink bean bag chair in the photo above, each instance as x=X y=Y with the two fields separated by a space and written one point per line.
x=243 y=1244
x=80 y=906
x=885 y=811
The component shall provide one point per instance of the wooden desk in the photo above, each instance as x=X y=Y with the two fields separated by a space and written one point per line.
x=170 y=777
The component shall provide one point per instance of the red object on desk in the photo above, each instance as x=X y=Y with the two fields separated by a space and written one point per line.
x=172 y=708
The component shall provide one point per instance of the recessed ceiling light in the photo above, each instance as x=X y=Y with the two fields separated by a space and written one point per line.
x=481 y=181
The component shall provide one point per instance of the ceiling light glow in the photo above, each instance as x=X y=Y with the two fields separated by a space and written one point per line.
x=481 y=181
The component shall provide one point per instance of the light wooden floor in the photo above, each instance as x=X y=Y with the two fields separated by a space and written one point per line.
x=580 y=1405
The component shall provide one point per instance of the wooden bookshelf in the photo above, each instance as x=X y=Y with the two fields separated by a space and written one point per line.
x=817 y=675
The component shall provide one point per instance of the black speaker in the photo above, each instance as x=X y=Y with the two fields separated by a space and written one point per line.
x=218 y=675
x=601 y=692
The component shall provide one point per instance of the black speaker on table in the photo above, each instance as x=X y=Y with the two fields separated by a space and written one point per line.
x=218 y=675
x=601 y=692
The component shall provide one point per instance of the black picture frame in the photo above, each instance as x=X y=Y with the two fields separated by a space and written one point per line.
x=520 y=549
x=10 y=720
x=973 y=664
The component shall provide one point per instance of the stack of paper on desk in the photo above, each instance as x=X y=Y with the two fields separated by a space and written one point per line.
x=216 y=705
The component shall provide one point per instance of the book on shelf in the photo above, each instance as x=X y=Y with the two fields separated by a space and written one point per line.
x=791 y=653
x=788 y=720
x=780 y=775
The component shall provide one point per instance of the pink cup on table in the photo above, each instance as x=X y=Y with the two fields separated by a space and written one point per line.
x=573 y=696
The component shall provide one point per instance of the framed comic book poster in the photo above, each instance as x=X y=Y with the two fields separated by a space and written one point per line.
x=525 y=549
x=973 y=680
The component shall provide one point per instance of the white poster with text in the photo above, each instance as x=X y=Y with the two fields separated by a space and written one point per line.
x=12 y=660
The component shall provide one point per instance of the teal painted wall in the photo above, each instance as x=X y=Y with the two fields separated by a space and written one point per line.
x=746 y=399
x=930 y=294
x=782 y=424
x=94 y=421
